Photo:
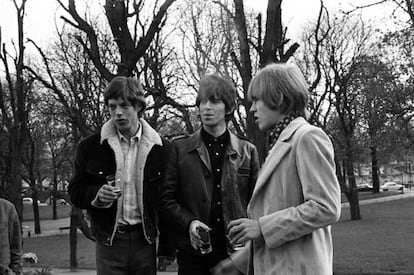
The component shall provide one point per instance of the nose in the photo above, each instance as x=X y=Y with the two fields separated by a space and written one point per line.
x=118 y=111
x=252 y=108
x=208 y=104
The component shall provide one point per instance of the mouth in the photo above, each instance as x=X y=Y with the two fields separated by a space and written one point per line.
x=120 y=121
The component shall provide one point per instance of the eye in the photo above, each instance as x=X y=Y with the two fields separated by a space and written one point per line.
x=125 y=105
x=215 y=100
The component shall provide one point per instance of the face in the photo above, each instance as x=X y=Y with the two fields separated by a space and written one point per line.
x=124 y=115
x=265 y=117
x=213 y=112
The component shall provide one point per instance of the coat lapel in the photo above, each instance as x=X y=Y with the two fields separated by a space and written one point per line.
x=195 y=144
x=276 y=154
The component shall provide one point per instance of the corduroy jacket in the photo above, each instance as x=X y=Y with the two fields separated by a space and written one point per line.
x=187 y=190
x=10 y=238
x=97 y=156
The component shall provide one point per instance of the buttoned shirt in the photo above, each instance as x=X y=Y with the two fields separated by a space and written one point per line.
x=216 y=147
x=131 y=214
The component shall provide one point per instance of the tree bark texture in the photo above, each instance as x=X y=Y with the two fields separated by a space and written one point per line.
x=374 y=170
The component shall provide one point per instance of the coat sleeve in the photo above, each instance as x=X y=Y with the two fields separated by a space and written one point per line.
x=254 y=169
x=81 y=193
x=167 y=246
x=171 y=209
x=241 y=258
x=321 y=193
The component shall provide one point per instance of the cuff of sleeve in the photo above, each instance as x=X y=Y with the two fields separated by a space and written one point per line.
x=98 y=204
x=240 y=259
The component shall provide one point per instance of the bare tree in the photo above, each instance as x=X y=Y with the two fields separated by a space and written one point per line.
x=271 y=50
x=332 y=51
x=32 y=160
x=228 y=41
x=13 y=105
x=131 y=46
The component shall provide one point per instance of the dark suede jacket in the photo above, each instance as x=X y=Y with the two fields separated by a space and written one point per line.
x=187 y=191
x=95 y=159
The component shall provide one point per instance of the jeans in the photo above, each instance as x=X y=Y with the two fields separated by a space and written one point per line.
x=130 y=254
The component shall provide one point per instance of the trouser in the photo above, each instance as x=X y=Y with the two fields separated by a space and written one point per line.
x=191 y=262
x=130 y=254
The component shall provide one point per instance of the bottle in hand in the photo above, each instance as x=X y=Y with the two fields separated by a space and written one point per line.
x=205 y=238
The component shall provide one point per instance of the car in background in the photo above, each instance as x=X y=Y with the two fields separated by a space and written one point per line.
x=391 y=186
x=364 y=187
x=28 y=200
x=62 y=202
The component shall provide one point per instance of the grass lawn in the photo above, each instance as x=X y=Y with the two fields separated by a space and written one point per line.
x=53 y=251
x=366 y=195
x=381 y=242
x=63 y=211
x=45 y=212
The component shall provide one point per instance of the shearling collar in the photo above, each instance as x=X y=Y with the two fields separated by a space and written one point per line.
x=109 y=130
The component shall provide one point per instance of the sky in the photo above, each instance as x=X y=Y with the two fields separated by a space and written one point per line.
x=40 y=19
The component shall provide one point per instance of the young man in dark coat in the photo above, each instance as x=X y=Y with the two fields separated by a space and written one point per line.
x=210 y=177
x=124 y=210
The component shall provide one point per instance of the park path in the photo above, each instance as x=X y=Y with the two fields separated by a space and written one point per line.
x=58 y=271
x=408 y=193
x=52 y=227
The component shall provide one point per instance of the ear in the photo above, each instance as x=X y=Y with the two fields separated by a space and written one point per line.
x=139 y=109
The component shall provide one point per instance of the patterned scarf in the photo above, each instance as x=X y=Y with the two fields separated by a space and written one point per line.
x=280 y=126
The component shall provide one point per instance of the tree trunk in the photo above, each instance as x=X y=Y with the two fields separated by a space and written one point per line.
x=54 y=194
x=374 y=168
x=352 y=192
x=73 y=238
x=339 y=174
x=352 y=196
x=273 y=36
x=245 y=70
x=36 y=210
x=14 y=187
x=16 y=126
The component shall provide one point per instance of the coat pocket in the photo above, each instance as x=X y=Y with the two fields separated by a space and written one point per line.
x=243 y=184
x=99 y=169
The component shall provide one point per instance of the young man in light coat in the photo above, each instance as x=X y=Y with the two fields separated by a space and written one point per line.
x=297 y=195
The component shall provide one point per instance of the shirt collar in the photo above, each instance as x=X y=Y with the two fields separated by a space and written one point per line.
x=137 y=135
x=207 y=138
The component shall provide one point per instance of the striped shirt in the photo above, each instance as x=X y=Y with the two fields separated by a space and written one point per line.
x=131 y=214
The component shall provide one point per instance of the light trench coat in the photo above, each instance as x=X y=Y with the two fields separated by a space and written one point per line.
x=295 y=200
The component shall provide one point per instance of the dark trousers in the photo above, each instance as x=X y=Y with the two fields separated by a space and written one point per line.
x=191 y=262
x=130 y=254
